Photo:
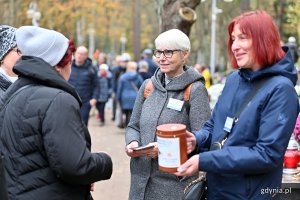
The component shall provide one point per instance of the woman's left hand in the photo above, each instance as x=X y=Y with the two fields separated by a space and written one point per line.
x=153 y=152
x=190 y=142
x=189 y=168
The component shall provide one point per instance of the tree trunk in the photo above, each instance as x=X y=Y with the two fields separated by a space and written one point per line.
x=80 y=29
x=245 y=5
x=11 y=11
x=137 y=29
x=280 y=12
x=178 y=14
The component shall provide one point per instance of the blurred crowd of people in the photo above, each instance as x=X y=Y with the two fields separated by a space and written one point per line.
x=47 y=96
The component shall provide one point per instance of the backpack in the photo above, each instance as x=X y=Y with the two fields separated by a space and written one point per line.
x=186 y=96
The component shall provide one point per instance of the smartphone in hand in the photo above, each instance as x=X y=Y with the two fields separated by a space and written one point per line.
x=148 y=146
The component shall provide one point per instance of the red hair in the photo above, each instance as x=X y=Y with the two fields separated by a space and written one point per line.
x=259 y=26
x=68 y=55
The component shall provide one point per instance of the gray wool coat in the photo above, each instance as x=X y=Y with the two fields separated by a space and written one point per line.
x=147 y=182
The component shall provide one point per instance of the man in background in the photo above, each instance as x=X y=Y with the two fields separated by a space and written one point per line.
x=147 y=56
x=117 y=71
x=84 y=79
x=144 y=70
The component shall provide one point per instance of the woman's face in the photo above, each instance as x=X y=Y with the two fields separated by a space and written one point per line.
x=10 y=60
x=242 y=49
x=170 y=61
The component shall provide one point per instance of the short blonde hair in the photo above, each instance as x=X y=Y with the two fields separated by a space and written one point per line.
x=173 y=39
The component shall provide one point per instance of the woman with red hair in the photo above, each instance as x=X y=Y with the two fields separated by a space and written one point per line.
x=249 y=161
x=45 y=145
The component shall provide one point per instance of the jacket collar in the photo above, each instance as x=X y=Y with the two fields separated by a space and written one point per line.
x=37 y=71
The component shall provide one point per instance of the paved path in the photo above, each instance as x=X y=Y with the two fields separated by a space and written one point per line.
x=110 y=139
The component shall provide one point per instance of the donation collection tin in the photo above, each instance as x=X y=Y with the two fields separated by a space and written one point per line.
x=171 y=139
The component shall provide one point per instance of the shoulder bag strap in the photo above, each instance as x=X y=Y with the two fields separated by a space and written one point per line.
x=257 y=86
x=251 y=95
x=134 y=86
x=187 y=92
x=148 y=88
x=14 y=94
x=186 y=97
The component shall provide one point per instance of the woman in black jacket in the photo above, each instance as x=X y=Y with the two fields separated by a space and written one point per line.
x=9 y=54
x=45 y=144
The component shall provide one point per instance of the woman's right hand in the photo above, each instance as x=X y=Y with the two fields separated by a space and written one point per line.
x=151 y=152
x=129 y=147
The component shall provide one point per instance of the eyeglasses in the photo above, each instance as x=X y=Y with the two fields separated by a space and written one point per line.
x=18 y=51
x=167 y=53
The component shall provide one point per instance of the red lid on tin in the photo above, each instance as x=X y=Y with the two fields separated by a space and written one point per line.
x=171 y=128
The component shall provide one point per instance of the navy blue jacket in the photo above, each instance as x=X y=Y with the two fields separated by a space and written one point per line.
x=152 y=65
x=84 y=79
x=128 y=86
x=252 y=158
x=105 y=89
x=117 y=71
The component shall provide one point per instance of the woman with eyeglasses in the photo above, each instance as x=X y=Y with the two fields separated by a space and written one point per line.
x=249 y=163
x=169 y=83
x=9 y=54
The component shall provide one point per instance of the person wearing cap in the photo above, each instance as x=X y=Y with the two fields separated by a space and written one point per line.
x=114 y=68
x=204 y=71
x=293 y=48
x=147 y=56
x=44 y=142
x=143 y=69
x=84 y=79
x=9 y=54
x=117 y=71
x=105 y=90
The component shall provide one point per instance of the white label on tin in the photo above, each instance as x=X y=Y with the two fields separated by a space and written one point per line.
x=169 y=152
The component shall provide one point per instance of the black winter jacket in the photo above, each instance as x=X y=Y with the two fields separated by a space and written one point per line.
x=4 y=84
x=43 y=139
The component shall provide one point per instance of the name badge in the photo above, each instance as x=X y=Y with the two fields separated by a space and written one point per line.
x=228 y=124
x=175 y=104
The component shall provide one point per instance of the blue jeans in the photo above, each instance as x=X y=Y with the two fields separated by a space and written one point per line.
x=85 y=112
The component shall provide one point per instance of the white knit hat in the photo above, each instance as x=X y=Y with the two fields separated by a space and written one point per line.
x=104 y=66
x=47 y=44
x=125 y=57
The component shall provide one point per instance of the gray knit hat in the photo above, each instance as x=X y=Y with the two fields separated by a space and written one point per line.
x=47 y=44
x=7 y=39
